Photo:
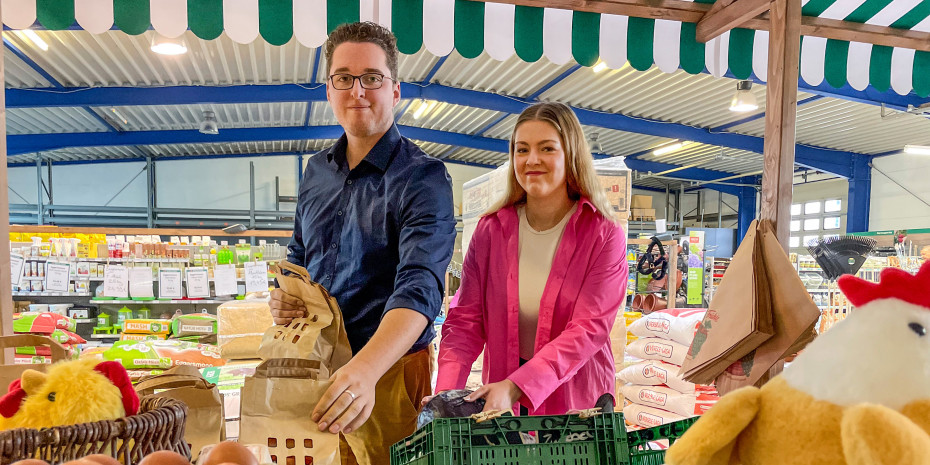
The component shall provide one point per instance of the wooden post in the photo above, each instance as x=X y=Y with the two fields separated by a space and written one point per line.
x=6 y=289
x=780 y=115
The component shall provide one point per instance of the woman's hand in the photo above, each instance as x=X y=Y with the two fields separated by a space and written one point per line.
x=497 y=396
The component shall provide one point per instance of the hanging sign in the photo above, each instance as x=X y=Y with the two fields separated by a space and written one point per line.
x=116 y=281
x=17 y=264
x=198 y=283
x=57 y=277
x=169 y=283
x=256 y=277
x=141 y=282
x=224 y=277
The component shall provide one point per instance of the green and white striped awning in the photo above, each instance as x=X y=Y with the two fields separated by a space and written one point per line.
x=531 y=33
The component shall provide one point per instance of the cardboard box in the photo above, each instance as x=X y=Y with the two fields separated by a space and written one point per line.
x=641 y=201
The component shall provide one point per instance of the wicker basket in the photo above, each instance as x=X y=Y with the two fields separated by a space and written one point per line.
x=158 y=426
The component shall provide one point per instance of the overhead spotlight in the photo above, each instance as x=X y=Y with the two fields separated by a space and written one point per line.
x=744 y=100
x=670 y=148
x=167 y=45
x=595 y=144
x=119 y=116
x=423 y=108
x=35 y=39
x=209 y=125
x=917 y=150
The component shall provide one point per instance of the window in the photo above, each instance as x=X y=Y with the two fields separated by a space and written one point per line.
x=834 y=205
x=811 y=224
x=811 y=208
x=831 y=222
x=795 y=242
x=795 y=209
x=795 y=225
x=809 y=239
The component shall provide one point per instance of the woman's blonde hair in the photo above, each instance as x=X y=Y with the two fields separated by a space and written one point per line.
x=580 y=175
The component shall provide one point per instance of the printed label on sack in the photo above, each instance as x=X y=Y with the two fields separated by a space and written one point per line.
x=657 y=325
x=196 y=329
x=657 y=348
x=652 y=397
x=648 y=419
x=652 y=371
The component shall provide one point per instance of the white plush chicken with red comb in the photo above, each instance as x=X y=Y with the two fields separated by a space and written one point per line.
x=858 y=395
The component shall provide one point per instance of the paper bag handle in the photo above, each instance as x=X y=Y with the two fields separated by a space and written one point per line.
x=290 y=368
x=299 y=271
x=147 y=385
x=59 y=353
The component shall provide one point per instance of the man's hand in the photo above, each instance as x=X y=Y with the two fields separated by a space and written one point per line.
x=348 y=402
x=285 y=307
x=497 y=396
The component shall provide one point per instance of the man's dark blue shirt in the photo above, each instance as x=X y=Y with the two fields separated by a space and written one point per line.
x=378 y=237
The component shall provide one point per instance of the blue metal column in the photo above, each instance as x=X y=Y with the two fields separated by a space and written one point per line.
x=860 y=193
x=747 y=211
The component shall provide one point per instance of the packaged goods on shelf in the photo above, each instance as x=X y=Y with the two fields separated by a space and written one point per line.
x=163 y=354
x=142 y=337
x=647 y=417
x=677 y=325
x=654 y=348
x=195 y=324
x=630 y=318
x=93 y=352
x=45 y=351
x=654 y=373
x=147 y=326
x=240 y=327
x=670 y=400
x=41 y=323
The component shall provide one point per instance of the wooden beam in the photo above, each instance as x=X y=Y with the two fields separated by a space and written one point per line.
x=728 y=14
x=19 y=228
x=6 y=288
x=689 y=12
x=781 y=115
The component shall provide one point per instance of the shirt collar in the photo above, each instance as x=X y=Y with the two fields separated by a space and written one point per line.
x=379 y=156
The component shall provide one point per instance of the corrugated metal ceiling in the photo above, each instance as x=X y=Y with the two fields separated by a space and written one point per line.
x=78 y=58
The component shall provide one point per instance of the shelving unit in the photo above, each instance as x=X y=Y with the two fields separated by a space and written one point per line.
x=715 y=267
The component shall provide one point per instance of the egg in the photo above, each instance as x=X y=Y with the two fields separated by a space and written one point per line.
x=229 y=452
x=101 y=459
x=31 y=462
x=164 y=457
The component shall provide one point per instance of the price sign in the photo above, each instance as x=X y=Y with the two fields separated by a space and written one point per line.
x=141 y=282
x=198 y=282
x=17 y=264
x=256 y=277
x=169 y=283
x=116 y=281
x=224 y=277
x=57 y=277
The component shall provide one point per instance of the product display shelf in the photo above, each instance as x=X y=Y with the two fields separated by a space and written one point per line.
x=158 y=302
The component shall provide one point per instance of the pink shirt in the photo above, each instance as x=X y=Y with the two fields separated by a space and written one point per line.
x=573 y=364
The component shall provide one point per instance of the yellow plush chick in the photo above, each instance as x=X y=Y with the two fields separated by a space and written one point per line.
x=71 y=392
x=858 y=395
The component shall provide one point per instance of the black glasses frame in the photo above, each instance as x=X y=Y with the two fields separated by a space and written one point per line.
x=360 y=79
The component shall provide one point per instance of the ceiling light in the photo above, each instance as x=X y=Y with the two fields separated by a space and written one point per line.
x=35 y=39
x=600 y=66
x=744 y=100
x=670 y=148
x=917 y=149
x=209 y=124
x=168 y=46
x=595 y=144
x=119 y=116
x=423 y=108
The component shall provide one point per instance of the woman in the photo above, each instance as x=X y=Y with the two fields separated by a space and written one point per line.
x=543 y=279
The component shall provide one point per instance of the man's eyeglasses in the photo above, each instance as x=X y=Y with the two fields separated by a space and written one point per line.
x=345 y=81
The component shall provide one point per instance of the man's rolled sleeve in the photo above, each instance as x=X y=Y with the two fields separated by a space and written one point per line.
x=425 y=243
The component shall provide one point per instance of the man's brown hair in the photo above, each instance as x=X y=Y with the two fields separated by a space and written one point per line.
x=363 y=32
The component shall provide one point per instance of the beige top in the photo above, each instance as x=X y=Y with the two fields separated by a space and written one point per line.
x=537 y=250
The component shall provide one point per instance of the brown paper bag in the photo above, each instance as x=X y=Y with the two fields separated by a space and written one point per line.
x=12 y=372
x=276 y=405
x=794 y=312
x=738 y=319
x=206 y=421
x=320 y=335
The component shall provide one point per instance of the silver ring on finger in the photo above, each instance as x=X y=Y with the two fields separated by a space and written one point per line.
x=350 y=393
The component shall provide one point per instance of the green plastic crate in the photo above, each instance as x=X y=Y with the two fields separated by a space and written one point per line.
x=563 y=439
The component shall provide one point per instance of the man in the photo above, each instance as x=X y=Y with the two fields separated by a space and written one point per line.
x=375 y=226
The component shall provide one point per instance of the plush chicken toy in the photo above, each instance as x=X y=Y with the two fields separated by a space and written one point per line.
x=858 y=395
x=72 y=392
